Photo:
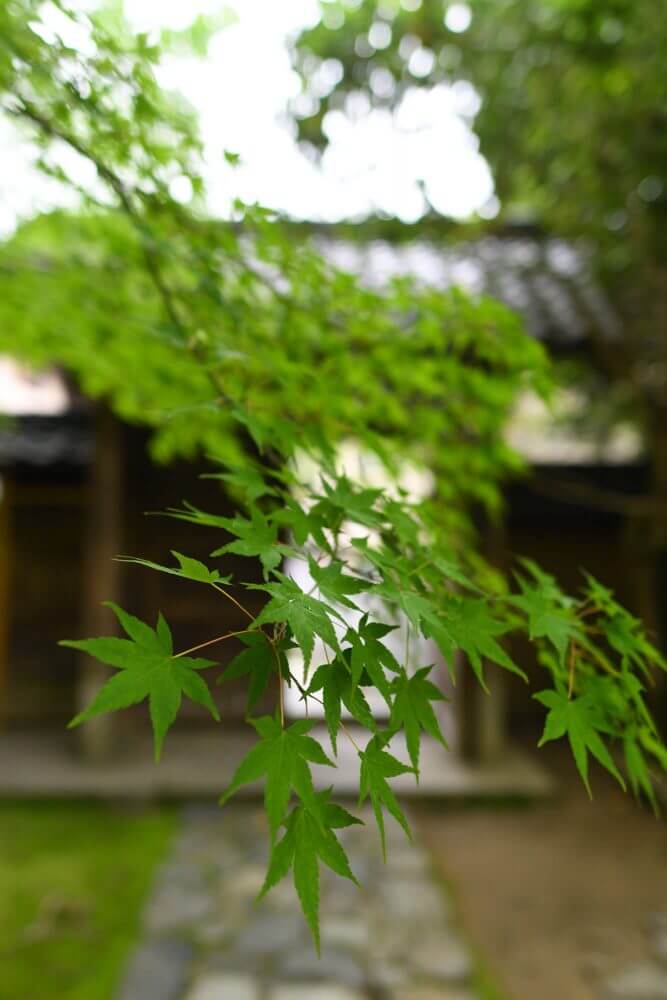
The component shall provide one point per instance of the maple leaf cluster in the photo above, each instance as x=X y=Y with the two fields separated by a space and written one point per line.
x=595 y=654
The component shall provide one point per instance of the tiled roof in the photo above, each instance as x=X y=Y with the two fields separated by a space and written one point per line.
x=40 y=422
x=545 y=280
x=44 y=441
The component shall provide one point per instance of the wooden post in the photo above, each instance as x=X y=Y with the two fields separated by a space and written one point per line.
x=5 y=594
x=481 y=717
x=101 y=574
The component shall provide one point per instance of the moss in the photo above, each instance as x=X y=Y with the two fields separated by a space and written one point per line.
x=73 y=878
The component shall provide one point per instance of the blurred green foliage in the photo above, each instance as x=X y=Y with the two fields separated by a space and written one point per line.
x=572 y=121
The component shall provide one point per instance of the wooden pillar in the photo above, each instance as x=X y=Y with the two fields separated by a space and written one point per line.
x=481 y=717
x=101 y=574
x=5 y=594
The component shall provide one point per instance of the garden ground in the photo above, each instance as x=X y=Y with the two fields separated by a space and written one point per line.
x=558 y=896
x=554 y=897
x=73 y=878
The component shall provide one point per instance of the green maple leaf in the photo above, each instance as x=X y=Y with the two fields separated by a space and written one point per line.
x=247 y=480
x=601 y=596
x=412 y=710
x=419 y=608
x=546 y=618
x=282 y=756
x=469 y=625
x=383 y=559
x=333 y=680
x=405 y=527
x=621 y=633
x=637 y=768
x=147 y=669
x=309 y=839
x=580 y=720
x=376 y=766
x=193 y=515
x=305 y=615
x=260 y=660
x=343 y=500
x=338 y=688
x=369 y=656
x=546 y=583
x=255 y=536
x=188 y=568
x=451 y=570
x=303 y=524
x=334 y=584
x=625 y=634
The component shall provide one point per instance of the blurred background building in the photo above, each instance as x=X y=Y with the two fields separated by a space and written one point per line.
x=76 y=493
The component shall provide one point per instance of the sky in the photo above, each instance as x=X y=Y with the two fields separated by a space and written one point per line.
x=375 y=161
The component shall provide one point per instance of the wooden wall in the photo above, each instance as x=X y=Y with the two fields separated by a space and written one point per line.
x=47 y=532
x=566 y=537
x=44 y=595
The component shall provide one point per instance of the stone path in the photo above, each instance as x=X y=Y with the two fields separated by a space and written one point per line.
x=646 y=979
x=204 y=939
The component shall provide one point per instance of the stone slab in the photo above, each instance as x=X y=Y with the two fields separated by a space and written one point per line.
x=641 y=981
x=314 y=991
x=158 y=971
x=224 y=986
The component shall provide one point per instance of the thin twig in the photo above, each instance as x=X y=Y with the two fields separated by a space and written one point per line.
x=238 y=604
x=210 y=642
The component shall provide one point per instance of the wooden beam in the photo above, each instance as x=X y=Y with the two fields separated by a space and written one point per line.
x=101 y=574
x=41 y=495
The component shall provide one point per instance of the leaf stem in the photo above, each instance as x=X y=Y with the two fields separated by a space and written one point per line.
x=281 y=694
x=238 y=604
x=587 y=608
x=306 y=695
x=601 y=659
x=209 y=642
